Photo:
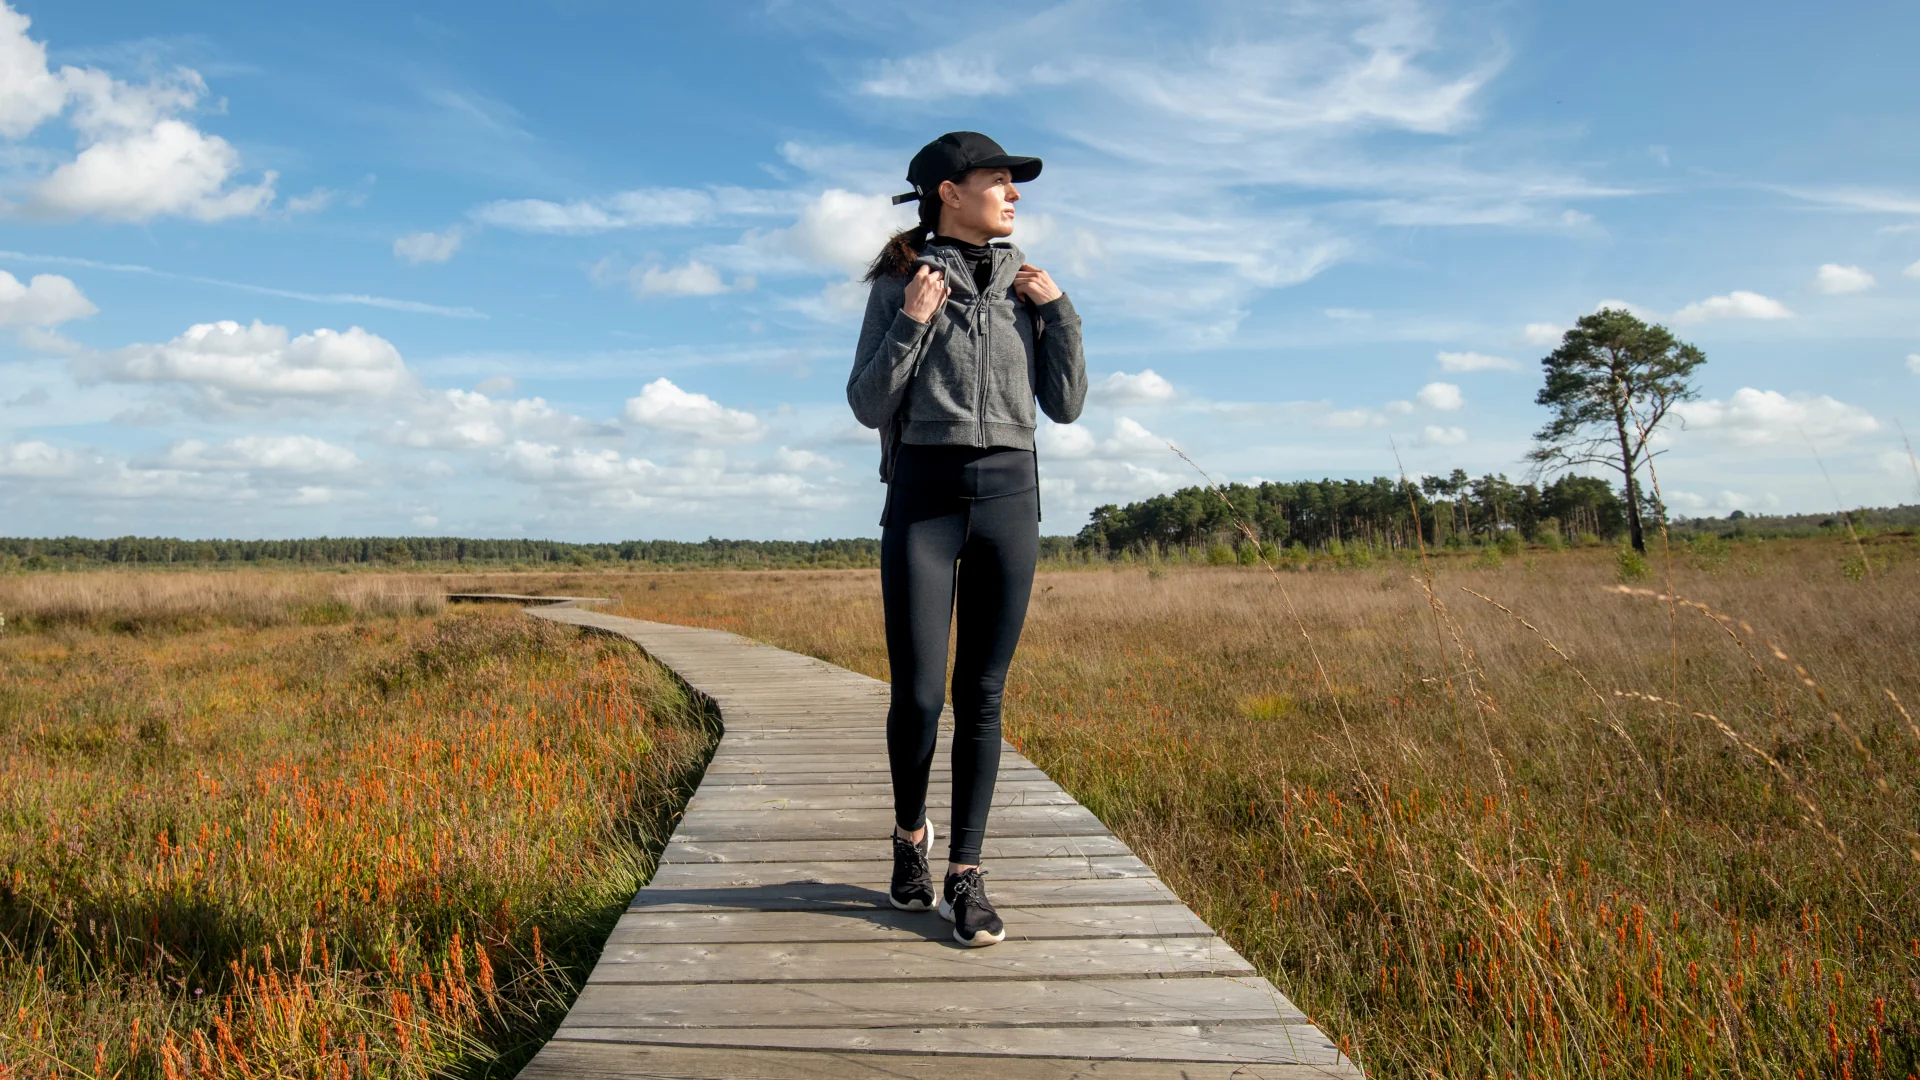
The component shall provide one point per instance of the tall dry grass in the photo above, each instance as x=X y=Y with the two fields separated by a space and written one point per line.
x=235 y=844
x=1528 y=825
x=132 y=600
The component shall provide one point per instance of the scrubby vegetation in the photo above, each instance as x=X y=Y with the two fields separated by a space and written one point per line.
x=256 y=825
x=1535 y=822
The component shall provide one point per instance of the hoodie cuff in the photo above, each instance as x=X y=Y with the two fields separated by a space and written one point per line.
x=906 y=329
x=1057 y=311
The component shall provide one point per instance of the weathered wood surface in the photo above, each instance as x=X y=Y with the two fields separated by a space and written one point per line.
x=765 y=947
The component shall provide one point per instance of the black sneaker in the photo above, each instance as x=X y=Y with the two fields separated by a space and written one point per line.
x=964 y=903
x=912 y=881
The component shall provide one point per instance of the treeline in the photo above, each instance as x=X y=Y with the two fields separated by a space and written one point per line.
x=1380 y=513
x=407 y=550
x=1739 y=524
x=712 y=553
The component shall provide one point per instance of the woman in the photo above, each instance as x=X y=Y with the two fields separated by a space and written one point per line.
x=961 y=336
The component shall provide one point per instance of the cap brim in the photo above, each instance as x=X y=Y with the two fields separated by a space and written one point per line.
x=1023 y=169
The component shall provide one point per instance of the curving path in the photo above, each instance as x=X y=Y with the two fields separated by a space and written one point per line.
x=764 y=946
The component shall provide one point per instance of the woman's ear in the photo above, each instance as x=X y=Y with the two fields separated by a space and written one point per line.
x=950 y=194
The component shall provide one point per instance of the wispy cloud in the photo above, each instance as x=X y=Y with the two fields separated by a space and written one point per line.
x=385 y=302
x=1183 y=139
x=1859 y=199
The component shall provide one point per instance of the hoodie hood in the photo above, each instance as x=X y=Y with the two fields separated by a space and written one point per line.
x=1007 y=260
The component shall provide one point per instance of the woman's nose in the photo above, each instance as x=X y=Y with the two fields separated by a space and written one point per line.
x=1013 y=193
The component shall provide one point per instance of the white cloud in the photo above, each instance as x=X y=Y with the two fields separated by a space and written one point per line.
x=607 y=478
x=789 y=460
x=35 y=460
x=664 y=406
x=294 y=454
x=644 y=208
x=1738 y=304
x=29 y=93
x=1350 y=418
x=233 y=365
x=1764 y=417
x=1624 y=305
x=171 y=168
x=1835 y=278
x=1130 y=440
x=1542 y=333
x=1913 y=269
x=1434 y=435
x=41 y=340
x=33 y=396
x=836 y=302
x=1445 y=397
x=693 y=279
x=137 y=159
x=1913 y=362
x=1324 y=73
x=1120 y=388
x=836 y=230
x=312 y=202
x=47 y=300
x=428 y=247
x=472 y=420
x=70 y=473
x=1473 y=361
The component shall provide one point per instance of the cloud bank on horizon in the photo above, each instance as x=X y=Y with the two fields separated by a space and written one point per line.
x=373 y=277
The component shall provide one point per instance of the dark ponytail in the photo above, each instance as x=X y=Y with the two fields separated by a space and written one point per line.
x=896 y=259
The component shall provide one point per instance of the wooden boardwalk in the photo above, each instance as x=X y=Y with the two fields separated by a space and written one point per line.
x=765 y=947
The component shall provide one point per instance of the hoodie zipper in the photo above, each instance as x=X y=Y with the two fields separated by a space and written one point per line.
x=986 y=339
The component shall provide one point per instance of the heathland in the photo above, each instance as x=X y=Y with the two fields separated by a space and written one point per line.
x=311 y=825
x=1521 y=813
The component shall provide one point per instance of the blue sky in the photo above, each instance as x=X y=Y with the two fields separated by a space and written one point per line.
x=587 y=270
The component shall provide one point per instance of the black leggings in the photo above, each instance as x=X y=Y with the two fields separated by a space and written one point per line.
x=981 y=510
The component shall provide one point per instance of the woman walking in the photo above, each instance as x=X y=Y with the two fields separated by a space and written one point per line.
x=960 y=337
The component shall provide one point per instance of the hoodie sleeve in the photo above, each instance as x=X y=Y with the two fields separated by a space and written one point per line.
x=1062 y=367
x=883 y=360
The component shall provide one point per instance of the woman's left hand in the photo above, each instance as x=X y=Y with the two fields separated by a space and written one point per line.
x=1034 y=285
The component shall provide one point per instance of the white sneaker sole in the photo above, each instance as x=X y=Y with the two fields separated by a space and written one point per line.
x=926 y=848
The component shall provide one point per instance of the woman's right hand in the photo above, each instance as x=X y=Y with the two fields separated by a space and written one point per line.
x=925 y=293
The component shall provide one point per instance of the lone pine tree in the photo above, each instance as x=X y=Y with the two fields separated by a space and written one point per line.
x=1610 y=385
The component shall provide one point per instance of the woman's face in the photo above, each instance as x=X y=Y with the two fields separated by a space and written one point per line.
x=979 y=203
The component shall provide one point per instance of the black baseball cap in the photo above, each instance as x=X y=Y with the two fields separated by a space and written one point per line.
x=954 y=153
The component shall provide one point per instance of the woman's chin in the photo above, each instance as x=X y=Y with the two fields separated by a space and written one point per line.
x=1003 y=229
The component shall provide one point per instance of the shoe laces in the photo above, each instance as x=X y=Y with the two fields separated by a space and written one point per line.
x=971 y=887
x=916 y=860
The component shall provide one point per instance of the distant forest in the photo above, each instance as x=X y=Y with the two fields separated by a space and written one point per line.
x=1451 y=511
x=407 y=550
x=1379 y=514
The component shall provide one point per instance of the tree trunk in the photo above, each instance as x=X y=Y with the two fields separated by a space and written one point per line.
x=1635 y=534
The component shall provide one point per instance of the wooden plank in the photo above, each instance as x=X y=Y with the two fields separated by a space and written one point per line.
x=774 y=802
x=680 y=850
x=878 y=870
x=771 y=776
x=917 y=961
x=867 y=783
x=885 y=1004
x=877 y=924
x=1267 y=1044
x=813 y=895
x=575 y=1059
x=850 y=824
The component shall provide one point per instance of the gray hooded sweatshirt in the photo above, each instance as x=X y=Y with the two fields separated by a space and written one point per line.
x=969 y=376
